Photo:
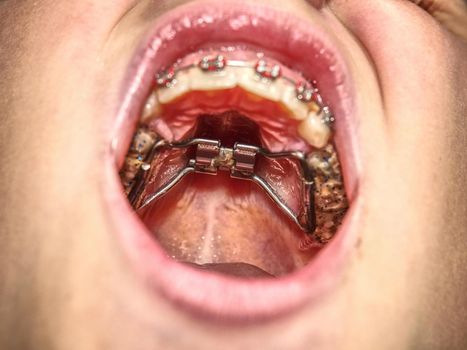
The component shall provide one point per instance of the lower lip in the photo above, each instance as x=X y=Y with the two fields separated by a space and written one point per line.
x=206 y=294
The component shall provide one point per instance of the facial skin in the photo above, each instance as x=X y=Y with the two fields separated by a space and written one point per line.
x=64 y=283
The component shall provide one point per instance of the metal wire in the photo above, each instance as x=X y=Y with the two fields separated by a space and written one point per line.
x=305 y=219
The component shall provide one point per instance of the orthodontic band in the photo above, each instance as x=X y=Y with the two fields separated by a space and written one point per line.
x=211 y=157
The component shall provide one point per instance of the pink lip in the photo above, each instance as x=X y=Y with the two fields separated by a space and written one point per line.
x=311 y=51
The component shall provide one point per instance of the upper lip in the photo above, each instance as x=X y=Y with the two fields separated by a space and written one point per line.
x=309 y=49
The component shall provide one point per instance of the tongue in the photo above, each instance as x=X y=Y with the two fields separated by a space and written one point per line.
x=234 y=269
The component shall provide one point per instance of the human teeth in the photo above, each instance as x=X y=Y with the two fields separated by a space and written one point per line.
x=314 y=130
x=165 y=77
x=132 y=165
x=179 y=87
x=151 y=107
x=321 y=163
x=299 y=109
x=216 y=80
x=209 y=64
x=327 y=116
x=268 y=71
x=263 y=80
x=271 y=90
x=304 y=93
x=143 y=141
x=130 y=170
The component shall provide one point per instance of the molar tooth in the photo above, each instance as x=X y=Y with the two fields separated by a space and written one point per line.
x=251 y=82
x=179 y=87
x=213 y=80
x=143 y=141
x=289 y=98
x=314 y=130
x=151 y=108
x=132 y=165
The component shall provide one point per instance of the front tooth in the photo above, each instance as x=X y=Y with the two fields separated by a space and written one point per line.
x=217 y=80
x=298 y=109
x=151 y=108
x=268 y=89
x=314 y=130
x=179 y=87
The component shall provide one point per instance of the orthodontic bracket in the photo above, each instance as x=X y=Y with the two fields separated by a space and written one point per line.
x=211 y=156
x=266 y=71
x=215 y=64
x=166 y=77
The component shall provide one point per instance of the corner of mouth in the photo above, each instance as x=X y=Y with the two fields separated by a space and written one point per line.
x=303 y=46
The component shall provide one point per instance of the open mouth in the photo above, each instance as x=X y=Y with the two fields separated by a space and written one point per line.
x=236 y=157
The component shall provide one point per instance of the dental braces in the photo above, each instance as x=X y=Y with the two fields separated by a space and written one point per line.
x=305 y=91
x=211 y=157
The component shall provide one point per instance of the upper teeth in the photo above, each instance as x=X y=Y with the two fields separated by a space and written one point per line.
x=217 y=63
x=305 y=92
x=268 y=71
x=165 y=77
x=259 y=78
x=141 y=145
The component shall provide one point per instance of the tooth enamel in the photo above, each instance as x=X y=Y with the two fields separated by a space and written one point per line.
x=150 y=108
x=314 y=130
x=298 y=109
x=271 y=90
x=263 y=81
x=206 y=81
x=179 y=87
